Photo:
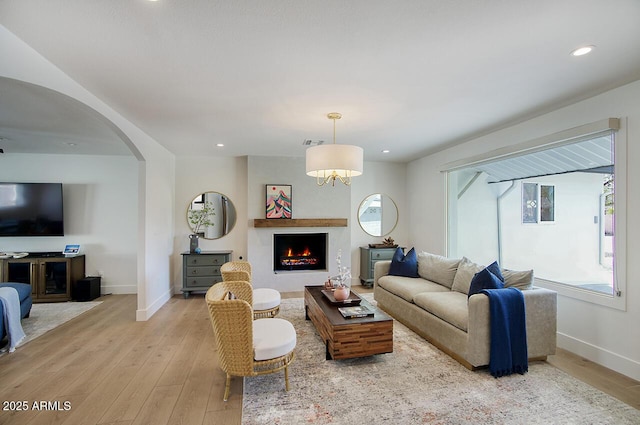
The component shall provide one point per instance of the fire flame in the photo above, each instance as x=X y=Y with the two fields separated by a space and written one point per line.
x=305 y=253
x=291 y=259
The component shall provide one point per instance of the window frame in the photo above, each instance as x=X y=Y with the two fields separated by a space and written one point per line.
x=618 y=126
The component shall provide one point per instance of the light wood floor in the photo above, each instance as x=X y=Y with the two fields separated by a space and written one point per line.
x=114 y=370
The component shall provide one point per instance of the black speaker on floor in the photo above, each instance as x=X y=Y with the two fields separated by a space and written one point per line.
x=87 y=289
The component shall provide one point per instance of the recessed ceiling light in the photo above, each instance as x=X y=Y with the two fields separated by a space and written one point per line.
x=220 y=145
x=385 y=151
x=580 y=51
x=70 y=144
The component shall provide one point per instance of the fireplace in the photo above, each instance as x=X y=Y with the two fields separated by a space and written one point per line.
x=300 y=251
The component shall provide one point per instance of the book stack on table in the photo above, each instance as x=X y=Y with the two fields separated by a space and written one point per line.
x=355 y=311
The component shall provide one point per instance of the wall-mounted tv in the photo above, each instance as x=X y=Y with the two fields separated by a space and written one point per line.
x=31 y=209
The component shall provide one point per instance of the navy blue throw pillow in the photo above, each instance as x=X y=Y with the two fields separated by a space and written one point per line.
x=484 y=279
x=404 y=265
x=495 y=269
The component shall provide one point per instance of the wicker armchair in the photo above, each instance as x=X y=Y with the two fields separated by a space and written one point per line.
x=266 y=301
x=236 y=270
x=247 y=347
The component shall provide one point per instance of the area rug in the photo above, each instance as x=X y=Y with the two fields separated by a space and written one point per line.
x=417 y=384
x=47 y=316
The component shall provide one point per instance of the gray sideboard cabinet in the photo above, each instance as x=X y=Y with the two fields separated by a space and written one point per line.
x=202 y=271
x=370 y=256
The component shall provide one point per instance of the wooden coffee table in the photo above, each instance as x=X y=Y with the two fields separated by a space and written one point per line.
x=348 y=338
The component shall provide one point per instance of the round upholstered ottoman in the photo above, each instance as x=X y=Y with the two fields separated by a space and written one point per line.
x=266 y=303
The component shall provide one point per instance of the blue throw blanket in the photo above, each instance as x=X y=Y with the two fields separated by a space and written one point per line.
x=508 y=332
x=11 y=310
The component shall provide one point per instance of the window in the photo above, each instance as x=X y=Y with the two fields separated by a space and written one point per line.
x=495 y=208
x=529 y=203
x=547 y=203
x=538 y=206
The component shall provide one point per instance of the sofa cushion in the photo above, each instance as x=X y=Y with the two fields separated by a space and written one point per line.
x=495 y=269
x=466 y=270
x=518 y=279
x=272 y=338
x=484 y=279
x=407 y=287
x=449 y=306
x=437 y=268
x=404 y=265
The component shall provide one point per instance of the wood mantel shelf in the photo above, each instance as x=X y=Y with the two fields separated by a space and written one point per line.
x=300 y=222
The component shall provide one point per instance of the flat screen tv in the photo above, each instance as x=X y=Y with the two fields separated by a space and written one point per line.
x=31 y=209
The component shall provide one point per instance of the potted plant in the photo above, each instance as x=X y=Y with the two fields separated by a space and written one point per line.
x=199 y=219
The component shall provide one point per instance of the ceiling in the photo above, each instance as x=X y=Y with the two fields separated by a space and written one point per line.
x=411 y=76
x=37 y=120
x=591 y=155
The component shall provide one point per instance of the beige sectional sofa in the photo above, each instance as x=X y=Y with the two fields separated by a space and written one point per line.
x=436 y=306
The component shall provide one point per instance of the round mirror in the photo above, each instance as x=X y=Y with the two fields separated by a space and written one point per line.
x=378 y=214
x=211 y=215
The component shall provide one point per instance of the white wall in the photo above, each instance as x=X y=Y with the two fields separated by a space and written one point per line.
x=98 y=191
x=378 y=177
x=605 y=335
x=475 y=216
x=156 y=177
x=195 y=175
x=156 y=170
x=308 y=201
x=573 y=236
x=243 y=180
x=545 y=247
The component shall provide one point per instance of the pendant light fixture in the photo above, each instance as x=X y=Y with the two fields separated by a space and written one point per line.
x=328 y=163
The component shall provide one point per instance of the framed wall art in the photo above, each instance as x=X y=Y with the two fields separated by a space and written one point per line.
x=278 y=201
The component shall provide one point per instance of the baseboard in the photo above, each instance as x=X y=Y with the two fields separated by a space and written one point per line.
x=119 y=289
x=142 y=315
x=599 y=355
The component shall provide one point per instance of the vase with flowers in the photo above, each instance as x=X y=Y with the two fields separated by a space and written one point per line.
x=342 y=281
x=199 y=219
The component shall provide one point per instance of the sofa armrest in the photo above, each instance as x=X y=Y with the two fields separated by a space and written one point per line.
x=380 y=268
x=478 y=330
x=541 y=319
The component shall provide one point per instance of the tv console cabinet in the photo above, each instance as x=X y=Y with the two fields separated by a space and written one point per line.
x=50 y=274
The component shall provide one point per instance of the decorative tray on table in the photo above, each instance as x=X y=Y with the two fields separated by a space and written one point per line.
x=353 y=299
